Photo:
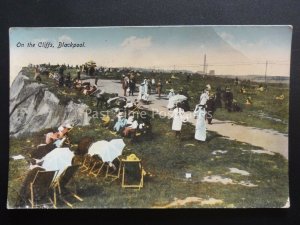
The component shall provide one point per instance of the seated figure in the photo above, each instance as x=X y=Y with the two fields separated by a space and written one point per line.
x=121 y=122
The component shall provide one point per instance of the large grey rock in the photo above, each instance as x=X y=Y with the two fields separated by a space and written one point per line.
x=33 y=108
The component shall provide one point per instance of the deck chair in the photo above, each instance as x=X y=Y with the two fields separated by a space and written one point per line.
x=40 y=187
x=113 y=173
x=86 y=164
x=97 y=166
x=60 y=183
x=133 y=172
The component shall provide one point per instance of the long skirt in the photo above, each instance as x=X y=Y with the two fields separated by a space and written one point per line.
x=200 y=132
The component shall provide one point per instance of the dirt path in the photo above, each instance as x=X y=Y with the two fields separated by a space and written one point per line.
x=267 y=139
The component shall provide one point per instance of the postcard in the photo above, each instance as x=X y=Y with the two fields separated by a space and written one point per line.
x=149 y=117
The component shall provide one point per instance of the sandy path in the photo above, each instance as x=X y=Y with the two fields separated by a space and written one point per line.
x=267 y=139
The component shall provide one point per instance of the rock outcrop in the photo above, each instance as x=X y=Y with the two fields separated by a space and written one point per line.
x=34 y=107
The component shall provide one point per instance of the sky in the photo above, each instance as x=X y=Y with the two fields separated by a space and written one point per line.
x=229 y=50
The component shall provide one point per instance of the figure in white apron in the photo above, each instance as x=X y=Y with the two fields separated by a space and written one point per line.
x=200 y=129
x=177 y=115
x=204 y=97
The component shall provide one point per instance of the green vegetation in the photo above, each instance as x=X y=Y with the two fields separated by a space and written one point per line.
x=266 y=112
x=168 y=158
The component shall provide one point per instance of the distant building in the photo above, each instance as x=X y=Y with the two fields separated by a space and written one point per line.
x=211 y=72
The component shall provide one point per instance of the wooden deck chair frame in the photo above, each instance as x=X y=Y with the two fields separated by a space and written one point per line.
x=61 y=181
x=86 y=165
x=96 y=168
x=110 y=175
x=41 y=185
x=141 y=183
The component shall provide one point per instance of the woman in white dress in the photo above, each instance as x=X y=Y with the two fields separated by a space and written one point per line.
x=141 y=91
x=204 y=97
x=177 y=115
x=200 y=129
x=145 y=86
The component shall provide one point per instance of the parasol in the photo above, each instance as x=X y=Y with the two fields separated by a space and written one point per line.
x=108 y=151
x=58 y=159
x=175 y=99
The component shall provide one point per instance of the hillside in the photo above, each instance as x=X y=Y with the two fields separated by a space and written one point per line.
x=224 y=173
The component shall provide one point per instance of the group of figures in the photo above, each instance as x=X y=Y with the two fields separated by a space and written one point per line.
x=208 y=103
x=204 y=110
x=145 y=88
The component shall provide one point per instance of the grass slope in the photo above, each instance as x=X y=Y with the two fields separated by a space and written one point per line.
x=168 y=159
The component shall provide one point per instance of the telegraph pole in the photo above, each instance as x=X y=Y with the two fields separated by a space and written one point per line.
x=266 y=73
x=204 y=64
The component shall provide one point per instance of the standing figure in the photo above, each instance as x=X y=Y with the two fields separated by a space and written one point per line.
x=97 y=74
x=153 y=82
x=146 y=86
x=200 y=129
x=177 y=116
x=210 y=108
x=204 y=97
x=68 y=82
x=37 y=75
x=78 y=71
x=171 y=93
x=91 y=71
x=61 y=79
x=125 y=84
x=141 y=91
x=218 y=102
x=228 y=96
x=159 y=88
x=188 y=77
x=131 y=86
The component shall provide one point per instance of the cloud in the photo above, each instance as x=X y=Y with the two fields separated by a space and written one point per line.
x=226 y=36
x=65 y=38
x=136 y=43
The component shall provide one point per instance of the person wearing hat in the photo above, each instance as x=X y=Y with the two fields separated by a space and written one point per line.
x=131 y=87
x=210 y=108
x=228 y=96
x=208 y=87
x=121 y=122
x=171 y=93
x=204 y=97
x=200 y=128
x=146 y=86
x=141 y=91
x=177 y=115
x=131 y=126
x=124 y=84
x=58 y=136
x=218 y=98
x=159 y=87
x=153 y=82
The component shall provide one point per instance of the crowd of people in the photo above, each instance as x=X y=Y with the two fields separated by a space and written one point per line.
x=127 y=125
x=204 y=110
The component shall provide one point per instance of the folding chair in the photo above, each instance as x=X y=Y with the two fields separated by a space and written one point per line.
x=86 y=164
x=39 y=188
x=133 y=173
x=60 y=183
x=114 y=173
x=97 y=166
